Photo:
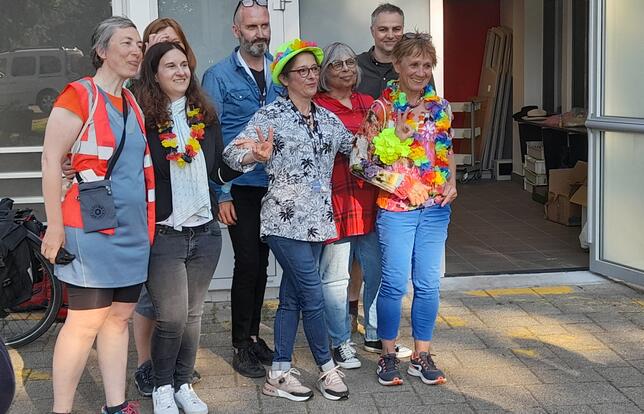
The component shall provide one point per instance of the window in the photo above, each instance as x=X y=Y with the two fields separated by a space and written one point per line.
x=23 y=66
x=49 y=65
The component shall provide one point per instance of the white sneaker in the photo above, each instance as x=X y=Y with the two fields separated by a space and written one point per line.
x=188 y=400
x=163 y=400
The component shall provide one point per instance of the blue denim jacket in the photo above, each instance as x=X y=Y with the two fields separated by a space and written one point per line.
x=236 y=98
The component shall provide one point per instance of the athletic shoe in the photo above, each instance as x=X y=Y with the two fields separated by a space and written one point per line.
x=345 y=356
x=388 y=370
x=263 y=353
x=246 y=363
x=163 y=400
x=143 y=379
x=129 y=407
x=187 y=399
x=422 y=365
x=286 y=386
x=332 y=386
x=376 y=347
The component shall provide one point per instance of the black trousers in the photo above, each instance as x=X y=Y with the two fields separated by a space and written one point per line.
x=251 y=261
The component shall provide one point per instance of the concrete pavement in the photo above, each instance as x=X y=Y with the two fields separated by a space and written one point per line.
x=557 y=343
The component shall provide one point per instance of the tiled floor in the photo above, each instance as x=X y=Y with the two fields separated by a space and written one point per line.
x=496 y=227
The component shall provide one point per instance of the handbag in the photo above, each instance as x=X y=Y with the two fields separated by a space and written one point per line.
x=96 y=202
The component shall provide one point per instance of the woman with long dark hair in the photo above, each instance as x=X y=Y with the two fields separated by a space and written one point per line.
x=186 y=146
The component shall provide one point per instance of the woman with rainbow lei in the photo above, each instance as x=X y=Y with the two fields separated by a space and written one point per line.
x=404 y=147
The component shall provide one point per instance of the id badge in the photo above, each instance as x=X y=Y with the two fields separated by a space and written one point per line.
x=316 y=186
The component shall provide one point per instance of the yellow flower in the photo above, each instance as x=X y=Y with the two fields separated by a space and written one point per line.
x=169 y=143
x=193 y=112
x=413 y=124
x=443 y=123
x=196 y=147
x=181 y=162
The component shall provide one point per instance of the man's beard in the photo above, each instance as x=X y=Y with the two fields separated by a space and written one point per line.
x=257 y=48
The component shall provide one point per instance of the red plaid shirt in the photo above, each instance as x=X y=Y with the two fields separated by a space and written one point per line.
x=354 y=201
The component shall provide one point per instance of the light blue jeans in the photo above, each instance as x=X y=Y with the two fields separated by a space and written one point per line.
x=411 y=242
x=335 y=267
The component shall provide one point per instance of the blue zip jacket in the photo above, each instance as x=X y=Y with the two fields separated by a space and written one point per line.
x=237 y=98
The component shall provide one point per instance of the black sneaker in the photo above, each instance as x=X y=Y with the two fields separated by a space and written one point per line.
x=143 y=379
x=376 y=347
x=345 y=356
x=388 y=370
x=196 y=377
x=246 y=363
x=262 y=351
x=422 y=365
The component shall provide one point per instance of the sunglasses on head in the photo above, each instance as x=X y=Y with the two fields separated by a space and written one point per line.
x=414 y=35
x=249 y=3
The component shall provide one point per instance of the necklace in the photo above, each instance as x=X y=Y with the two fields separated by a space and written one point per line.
x=170 y=142
x=429 y=148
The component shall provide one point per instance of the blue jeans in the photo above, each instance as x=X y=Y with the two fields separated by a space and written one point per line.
x=181 y=267
x=335 y=267
x=411 y=242
x=300 y=291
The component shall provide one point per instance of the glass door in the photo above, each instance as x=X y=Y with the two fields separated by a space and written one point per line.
x=616 y=140
x=208 y=27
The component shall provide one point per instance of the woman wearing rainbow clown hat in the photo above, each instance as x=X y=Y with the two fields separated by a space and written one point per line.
x=297 y=141
x=404 y=147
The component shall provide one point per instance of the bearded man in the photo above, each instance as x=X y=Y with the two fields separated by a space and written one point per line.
x=239 y=85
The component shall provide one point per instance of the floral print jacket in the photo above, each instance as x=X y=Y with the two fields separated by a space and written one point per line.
x=396 y=168
x=297 y=204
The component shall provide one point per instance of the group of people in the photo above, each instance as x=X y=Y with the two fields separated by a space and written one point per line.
x=340 y=164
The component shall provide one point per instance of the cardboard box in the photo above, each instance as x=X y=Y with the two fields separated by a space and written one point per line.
x=563 y=184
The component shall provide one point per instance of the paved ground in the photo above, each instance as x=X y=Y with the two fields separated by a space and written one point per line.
x=575 y=347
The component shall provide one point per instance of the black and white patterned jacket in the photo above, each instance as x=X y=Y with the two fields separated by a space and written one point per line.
x=298 y=202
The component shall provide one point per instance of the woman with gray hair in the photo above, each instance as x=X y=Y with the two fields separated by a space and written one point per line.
x=354 y=210
x=106 y=218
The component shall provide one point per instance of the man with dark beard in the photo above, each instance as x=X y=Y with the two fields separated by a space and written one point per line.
x=239 y=85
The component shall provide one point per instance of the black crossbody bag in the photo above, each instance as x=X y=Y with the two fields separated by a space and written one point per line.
x=96 y=201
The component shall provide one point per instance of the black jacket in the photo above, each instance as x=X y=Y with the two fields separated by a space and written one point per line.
x=212 y=146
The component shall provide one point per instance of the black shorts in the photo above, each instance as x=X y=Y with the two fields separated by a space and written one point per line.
x=86 y=298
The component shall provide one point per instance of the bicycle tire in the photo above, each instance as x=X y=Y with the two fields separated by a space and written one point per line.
x=47 y=313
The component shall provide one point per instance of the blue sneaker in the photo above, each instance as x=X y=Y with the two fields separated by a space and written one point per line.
x=422 y=365
x=388 y=370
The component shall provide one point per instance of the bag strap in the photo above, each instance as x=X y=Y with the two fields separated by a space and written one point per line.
x=115 y=156
x=117 y=153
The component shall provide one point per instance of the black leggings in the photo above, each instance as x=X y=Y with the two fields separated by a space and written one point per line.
x=86 y=298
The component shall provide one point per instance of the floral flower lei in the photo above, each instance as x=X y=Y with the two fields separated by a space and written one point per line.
x=170 y=142
x=389 y=148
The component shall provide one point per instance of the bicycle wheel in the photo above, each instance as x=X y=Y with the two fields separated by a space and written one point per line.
x=26 y=322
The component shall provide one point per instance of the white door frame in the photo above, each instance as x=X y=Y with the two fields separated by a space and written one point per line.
x=597 y=124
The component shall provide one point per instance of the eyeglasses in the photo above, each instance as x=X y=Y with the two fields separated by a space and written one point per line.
x=304 y=72
x=249 y=3
x=337 y=65
x=416 y=35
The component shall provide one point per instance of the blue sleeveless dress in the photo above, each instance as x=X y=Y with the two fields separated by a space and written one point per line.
x=119 y=260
